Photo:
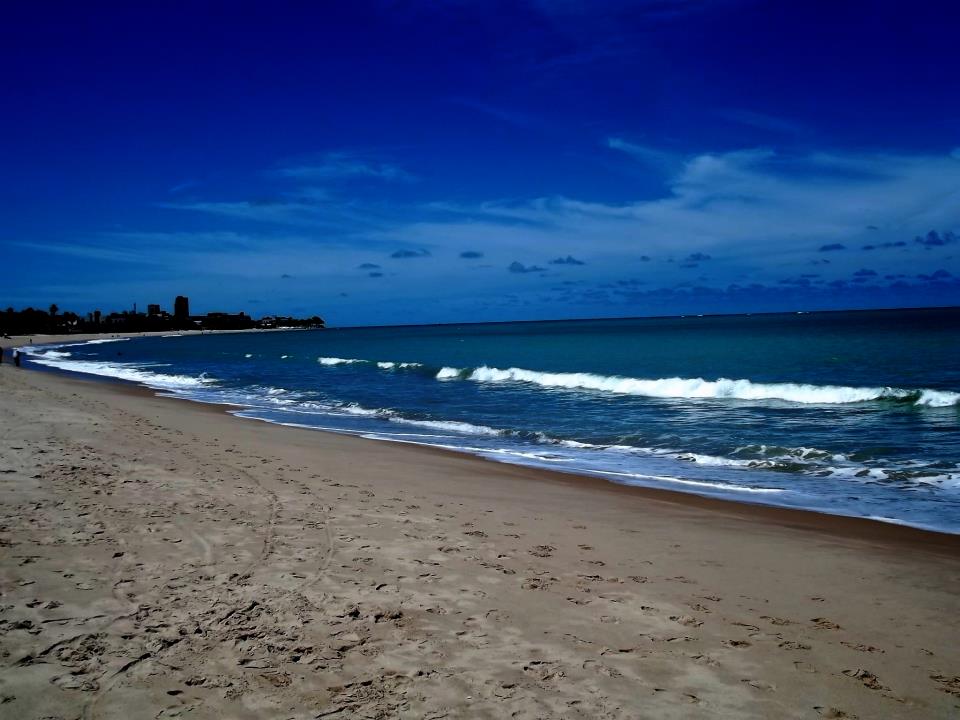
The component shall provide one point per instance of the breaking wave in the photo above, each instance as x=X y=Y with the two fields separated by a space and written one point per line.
x=698 y=388
x=338 y=361
x=100 y=341
x=677 y=387
x=121 y=371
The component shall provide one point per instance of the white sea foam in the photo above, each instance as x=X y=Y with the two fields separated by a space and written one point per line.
x=715 y=461
x=938 y=398
x=100 y=341
x=449 y=425
x=338 y=361
x=698 y=388
x=775 y=452
x=693 y=483
x=126 y=371
x=574 y=444
x=386 y=365
x=354 y=409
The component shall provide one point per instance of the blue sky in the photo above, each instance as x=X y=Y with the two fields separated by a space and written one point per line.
x=391 y=162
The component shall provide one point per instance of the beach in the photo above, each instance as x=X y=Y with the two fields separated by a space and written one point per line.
x=162 y=558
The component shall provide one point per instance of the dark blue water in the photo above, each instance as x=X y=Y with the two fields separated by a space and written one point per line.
x=848 y=413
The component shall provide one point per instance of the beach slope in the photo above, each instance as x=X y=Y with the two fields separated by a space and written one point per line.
x=160 y=558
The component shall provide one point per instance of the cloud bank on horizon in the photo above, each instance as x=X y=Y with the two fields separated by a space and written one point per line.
x=566 y=167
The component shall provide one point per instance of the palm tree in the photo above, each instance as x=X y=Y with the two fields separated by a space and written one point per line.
x=53 y=310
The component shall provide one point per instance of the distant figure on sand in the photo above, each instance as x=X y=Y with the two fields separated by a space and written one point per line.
x=1 y=355
x=16 y=358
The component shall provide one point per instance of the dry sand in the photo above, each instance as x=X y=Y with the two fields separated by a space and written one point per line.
x=160 y=558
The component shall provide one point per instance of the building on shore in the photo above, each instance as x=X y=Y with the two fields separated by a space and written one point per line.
x=181 y=309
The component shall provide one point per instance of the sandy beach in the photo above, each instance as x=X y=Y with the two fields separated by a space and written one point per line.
x=162 y=558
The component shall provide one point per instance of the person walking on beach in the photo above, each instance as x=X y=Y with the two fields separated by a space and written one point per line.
x=16 y=358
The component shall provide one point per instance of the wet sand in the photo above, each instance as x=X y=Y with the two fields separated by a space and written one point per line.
x=160 y=558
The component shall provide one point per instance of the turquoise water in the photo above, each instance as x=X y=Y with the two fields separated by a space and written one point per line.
x=847 y=413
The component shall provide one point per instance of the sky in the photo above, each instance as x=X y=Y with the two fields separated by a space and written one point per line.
x=395 y=162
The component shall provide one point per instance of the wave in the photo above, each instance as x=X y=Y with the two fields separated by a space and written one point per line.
x=801 y=460
x=698 y=388
x=692 y=483
x=382 y=364
x=450 y=426
x=677 y=387
x=124 y=371
x=339 y=361
x=100 y=341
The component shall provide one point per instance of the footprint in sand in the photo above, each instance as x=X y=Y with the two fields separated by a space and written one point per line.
x=542 y=551
x=950 y=685
x=824 y=624
x=833 y=713
x=860 y=647
x=775 y=620
x=868 y=679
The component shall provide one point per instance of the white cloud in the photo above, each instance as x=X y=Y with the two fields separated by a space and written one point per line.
x=654 y=157
x=754 y=208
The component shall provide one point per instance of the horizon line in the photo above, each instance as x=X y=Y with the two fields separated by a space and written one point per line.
x=649 y=317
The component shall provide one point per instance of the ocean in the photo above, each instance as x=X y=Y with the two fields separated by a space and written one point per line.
x=849 y=413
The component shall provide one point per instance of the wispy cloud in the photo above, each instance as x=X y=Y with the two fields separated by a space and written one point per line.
x=182 y=186
x=763 y=121
x=662 y=160
x=303 y=208
x=506 y=115
x=338 y=166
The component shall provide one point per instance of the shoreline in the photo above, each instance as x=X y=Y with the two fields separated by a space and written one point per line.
x=19 y=340
x=164 y=557
x=849 y=526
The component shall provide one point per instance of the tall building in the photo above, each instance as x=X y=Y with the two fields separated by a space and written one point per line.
x=181 y=308
x=153 y=310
